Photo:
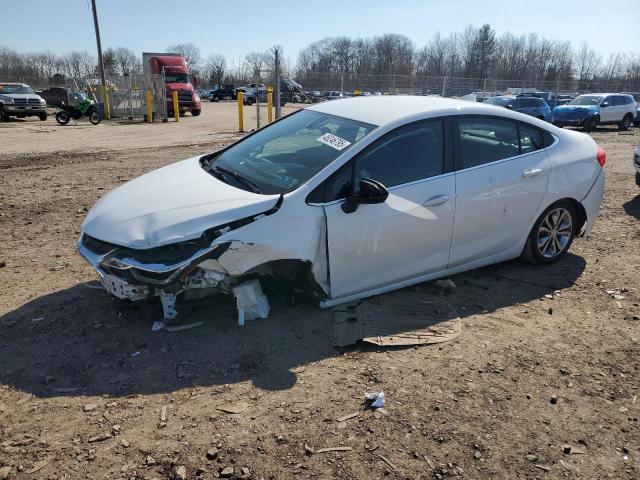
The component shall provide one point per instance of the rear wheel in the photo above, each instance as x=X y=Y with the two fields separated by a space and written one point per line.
x=590 y=124
x=42 y=116
x=195 y=113
x=94 y=117
x=552 y=234
x=62 y=117
x=625 y=123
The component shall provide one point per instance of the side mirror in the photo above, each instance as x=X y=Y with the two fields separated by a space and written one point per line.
x=371 y=191
x=604 y=104
x=510 y=106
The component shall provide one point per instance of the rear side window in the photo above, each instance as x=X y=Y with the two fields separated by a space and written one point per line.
x=530 y=138
x=409 y=153
x=547 y=139
x=486 y=139
x=530 y=102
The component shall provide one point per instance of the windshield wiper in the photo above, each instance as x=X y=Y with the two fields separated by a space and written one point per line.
x=245 y=181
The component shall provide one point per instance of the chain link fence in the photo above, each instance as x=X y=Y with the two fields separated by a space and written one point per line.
x=455 y=86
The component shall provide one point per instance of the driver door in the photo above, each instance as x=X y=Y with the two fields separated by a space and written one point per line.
x=408 y=235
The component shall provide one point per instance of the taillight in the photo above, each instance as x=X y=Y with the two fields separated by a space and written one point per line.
x=602 y=156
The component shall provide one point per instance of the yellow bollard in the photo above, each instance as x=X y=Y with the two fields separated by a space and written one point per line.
x=149 y=111
x=269 y=106
x=240 y=112
x=176 y=106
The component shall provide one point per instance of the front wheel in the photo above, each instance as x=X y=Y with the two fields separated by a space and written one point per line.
x=94 y=117
x=590 y=124
x=62 y=117
x=625 y=123
x=42 y=116
x=552 y=234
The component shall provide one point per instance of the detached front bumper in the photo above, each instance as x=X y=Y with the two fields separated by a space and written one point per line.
x=12 y=108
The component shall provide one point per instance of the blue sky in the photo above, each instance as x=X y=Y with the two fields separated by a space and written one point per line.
x=146 y=25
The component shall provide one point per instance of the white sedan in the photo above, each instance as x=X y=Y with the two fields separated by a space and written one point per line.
x=344 y=200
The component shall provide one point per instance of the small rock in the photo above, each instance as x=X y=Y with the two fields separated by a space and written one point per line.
x=226 y=472
x=180 y=473
x=5 y=471
x=89 y=407
x=125 y=443
x=308 y=450
x=553 y=400
x=2 y=265
x=531 y=458
x=477 y=455
x=212 y=453
x=446 y=284
x=280 y=439
x=244 y=470
x=150 y=460
x=566 y=449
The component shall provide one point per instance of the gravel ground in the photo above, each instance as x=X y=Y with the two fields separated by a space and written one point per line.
x=543 y=381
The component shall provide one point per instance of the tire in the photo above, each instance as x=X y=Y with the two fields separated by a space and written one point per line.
x=561 y=221
x=625 y=123
x=4 y=116
x=42 y=116
x=95 y=117
x=62 y=117
x=590 y=124
x=195 y=113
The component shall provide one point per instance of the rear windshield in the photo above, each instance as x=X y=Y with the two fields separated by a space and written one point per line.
x=282 y=156
x=500 y=101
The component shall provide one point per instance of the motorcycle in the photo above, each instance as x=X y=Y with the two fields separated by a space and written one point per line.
x=85 y=107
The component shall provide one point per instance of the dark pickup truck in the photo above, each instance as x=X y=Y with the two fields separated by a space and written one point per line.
x=223 y=92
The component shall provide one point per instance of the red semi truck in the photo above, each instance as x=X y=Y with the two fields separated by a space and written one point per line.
x=177 y=79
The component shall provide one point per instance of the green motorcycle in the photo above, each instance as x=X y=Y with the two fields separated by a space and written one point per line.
x=85 y=107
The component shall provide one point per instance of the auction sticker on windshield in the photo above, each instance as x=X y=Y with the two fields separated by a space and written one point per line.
x=334 y=141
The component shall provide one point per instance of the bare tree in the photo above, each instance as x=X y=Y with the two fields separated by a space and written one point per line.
x=214 y=68
x=126 y=60
x=189 y=51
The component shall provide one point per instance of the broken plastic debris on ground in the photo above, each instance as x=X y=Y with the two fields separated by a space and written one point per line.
x=374 y=399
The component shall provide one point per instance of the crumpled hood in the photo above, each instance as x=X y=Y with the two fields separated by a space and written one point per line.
x=174 y=203
x=574 y=108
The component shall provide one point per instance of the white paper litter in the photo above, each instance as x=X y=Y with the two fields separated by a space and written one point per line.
x=250 y=301
x=375 y=399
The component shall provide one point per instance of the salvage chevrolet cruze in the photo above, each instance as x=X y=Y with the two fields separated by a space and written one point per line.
x=344 y=200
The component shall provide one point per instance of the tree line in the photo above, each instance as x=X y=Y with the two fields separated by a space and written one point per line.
x=472 y=53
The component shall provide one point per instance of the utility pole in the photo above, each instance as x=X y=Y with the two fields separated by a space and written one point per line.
x=103 y=78
x=276 y=81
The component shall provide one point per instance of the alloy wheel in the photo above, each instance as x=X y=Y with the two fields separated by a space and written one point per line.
x=554 y=232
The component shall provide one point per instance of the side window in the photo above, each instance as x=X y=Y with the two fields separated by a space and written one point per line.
x=610 y=100
x=530 y=138
x=409 y=153
x=486 y=139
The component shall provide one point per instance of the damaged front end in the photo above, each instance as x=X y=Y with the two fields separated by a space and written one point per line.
x=189 y=267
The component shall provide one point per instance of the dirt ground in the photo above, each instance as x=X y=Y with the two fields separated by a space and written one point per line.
x=543 y=381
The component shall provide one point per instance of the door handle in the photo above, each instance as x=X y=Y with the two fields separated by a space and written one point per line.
x=532 y=173
x=437 y=200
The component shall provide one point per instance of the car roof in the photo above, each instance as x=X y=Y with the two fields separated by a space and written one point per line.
x=381 y=110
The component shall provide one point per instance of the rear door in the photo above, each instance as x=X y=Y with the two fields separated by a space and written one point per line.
x=609 y=113
x=410 y=233
x=502 y=174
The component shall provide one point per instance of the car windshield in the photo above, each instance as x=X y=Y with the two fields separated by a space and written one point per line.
x=500 y=101
x=282 y=156
x=586 y=100
x=176 y=78
x=10 y=89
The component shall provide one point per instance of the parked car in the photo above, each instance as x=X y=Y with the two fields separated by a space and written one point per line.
x=636 y=163
x=249 y=98
x=20 y=100
x=350 y=199
x=636 y=97
x=534 y=106
x=332 y=95
x=223 y=92
x=593 y=109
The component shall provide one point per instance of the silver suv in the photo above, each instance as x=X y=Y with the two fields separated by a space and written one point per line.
x=20 y=100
